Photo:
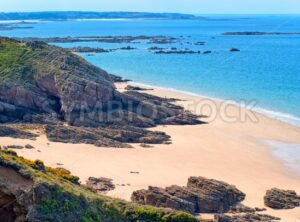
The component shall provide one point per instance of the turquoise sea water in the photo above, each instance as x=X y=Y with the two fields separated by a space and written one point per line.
x=267 y=70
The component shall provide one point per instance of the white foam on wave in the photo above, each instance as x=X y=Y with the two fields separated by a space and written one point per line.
x=103 y=19
x=21 y=21
x=179 y=91
x=289 y=153
x=283 y=117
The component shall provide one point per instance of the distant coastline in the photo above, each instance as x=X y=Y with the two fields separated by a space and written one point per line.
x=75 y=15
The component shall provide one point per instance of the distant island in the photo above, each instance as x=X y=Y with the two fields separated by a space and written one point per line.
x=261 y=33
x=69 y=15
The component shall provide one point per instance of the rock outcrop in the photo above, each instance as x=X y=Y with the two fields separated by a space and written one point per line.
x=249 y=217
x=186 y=51
x=136 y=88
x=214 y=195
x=88 y=50
x=244 y=209
x=200 y=196
x=100 y=185
x=159 y=197
x=14 y=195
x=15 y=132
x=281 y=199
x=112 y=136
x=48 y=85
x=234 y=50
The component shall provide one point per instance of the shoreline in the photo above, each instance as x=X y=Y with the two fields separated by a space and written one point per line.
x=272 y=144
x=285 y=118
x=231 y=152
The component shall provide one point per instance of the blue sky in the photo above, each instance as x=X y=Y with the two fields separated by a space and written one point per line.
x=184 y=6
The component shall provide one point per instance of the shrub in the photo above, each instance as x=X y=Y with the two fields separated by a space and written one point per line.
x=63 y=173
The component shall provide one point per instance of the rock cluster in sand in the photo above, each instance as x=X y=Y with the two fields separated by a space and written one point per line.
x=201 y=195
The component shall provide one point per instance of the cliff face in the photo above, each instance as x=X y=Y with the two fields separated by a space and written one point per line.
x=45 y=78
x=44 y=84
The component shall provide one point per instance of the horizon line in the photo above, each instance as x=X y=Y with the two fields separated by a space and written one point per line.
x=162 y=12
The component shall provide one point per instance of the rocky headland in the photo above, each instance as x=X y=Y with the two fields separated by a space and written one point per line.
x=75 y=101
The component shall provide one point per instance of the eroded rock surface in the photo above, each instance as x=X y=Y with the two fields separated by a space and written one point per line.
x=100 y=185
x=214 y=195
x=118 y=137
x=14 y=132
x=281 y=199
x=249 y=217
x=135 y=88
x=200 y=196
x=14 y=196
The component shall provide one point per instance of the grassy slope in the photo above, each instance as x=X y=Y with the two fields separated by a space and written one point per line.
x=70 y=199
x=14 y=61
x=21 y=63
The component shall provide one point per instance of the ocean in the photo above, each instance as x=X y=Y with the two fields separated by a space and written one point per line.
x=266 y=70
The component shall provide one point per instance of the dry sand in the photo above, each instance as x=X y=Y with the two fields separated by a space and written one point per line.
x=234 y=152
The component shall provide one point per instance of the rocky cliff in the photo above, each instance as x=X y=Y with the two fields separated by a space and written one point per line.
x=44 y=84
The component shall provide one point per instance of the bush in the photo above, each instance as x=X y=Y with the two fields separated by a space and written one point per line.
x=63 y=173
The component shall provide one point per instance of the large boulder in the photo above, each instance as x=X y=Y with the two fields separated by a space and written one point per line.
x=158 y=197
x=200 y=196
x=214 y=195
x=100 y=185
x=281 y=199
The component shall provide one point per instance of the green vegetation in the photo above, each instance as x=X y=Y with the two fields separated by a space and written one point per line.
x=25 y=62
x=14 y=60
x=62 y=199
x=63 y=173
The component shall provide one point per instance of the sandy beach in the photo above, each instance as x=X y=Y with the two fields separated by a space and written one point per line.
x=231 y=148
